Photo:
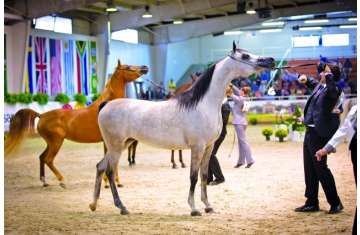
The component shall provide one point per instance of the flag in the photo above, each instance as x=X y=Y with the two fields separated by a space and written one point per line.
x=5 y=68
x=68 y=69
x=55 y=67
x=82 y=67
x=29 y=87
x=93 y=67
x=41 y=65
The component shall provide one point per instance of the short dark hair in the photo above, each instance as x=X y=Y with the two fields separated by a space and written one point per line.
x=335 y=70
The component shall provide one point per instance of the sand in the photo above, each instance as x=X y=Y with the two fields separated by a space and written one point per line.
x=259 y=200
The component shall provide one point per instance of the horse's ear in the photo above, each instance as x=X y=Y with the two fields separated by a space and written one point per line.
x=234 y=47
x=119 y=63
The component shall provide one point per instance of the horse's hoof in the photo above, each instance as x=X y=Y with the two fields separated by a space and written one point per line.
x=209 y=210
x=174 y=167
x=92 y=206
x=195 y=213
x=62 y=185
x=106 y=186
x=183 y=166
x=45 y=184
x=120 y=185
x=124 y=211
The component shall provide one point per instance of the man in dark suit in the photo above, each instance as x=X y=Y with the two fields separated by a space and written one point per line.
x=321 y=124
x=214 y=166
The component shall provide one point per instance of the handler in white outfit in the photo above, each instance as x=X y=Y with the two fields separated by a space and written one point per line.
x=240 y=124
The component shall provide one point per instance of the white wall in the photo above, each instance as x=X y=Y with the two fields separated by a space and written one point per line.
x=130 y=54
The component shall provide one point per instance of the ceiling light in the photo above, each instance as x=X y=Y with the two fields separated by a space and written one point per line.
x=316 y=21
x=275 y=23
x=233 y=33
x=147 y=13
x=352 y=19
x=178 y=21
x=111 y=7
x=250 y=9
x=349 y=26
x=270 y=30
x=310 y=28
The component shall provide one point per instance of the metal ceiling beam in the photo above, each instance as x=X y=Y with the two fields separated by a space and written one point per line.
x=175 y=33
x=168 y=11
x=38 y=8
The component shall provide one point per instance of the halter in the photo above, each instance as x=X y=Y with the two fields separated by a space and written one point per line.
x=243 y=61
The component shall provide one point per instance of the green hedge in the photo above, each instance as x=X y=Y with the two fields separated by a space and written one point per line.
x=80 y=98
x=62 y=98
x=41 y=98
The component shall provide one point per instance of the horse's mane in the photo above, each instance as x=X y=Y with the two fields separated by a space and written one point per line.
x=191 y=97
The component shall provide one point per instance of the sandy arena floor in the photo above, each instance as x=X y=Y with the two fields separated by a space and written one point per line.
x=259 y=200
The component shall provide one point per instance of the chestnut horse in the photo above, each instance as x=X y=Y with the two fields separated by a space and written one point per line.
x=80 y=125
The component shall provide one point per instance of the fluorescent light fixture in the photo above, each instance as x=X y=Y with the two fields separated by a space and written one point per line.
x=349 y=26
x=310 y=28
x=251 y=12
x=301 y=17
x=316 y=21
x=178 y=22
x=111 y=9
x=269 y=30
x=275 y=23
x=110 y=6
x=233 y=32
x=352 y=19
x=147 y=13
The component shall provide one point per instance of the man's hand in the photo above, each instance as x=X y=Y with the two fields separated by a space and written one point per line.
x=320 y=153
x=302 y=79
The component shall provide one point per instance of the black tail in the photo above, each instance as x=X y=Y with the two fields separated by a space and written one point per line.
x=102 y=105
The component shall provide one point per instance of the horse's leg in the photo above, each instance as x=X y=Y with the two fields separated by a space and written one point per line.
x=42 y=166
x=196 y=155
x=103 y=175
x=117 y=178
x=111 y=165
x=204 y=167
x=54 y=145
x=181 y=159
x=100 y=169
x=129 y=154
x=172 y=159
x=134 y=152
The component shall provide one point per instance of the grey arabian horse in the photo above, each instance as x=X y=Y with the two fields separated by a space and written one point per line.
x=191 y=120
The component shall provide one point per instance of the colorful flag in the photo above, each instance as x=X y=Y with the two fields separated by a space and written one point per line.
x=41 y=65
x=93 y=67
x=82 y=67
x=68 y=69
x=5 y=68
x=29 y=87
x=55 y=67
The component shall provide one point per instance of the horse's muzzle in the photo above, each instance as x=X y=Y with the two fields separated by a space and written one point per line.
x=268 y=62
x=144 y=69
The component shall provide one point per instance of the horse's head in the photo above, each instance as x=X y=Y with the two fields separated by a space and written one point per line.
x=122 y=75
x=129 y=73
x=244 y=63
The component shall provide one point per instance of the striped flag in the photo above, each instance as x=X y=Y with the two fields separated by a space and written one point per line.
x=82 y=67
x=29 y=87
x=55 y=66
x=93 y=67
x=68 y=67
x=41 y=65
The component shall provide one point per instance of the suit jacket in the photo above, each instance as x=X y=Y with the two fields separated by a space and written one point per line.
x=239 y=116
x=326 y=122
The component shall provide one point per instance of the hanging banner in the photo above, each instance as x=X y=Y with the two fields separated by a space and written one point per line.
x=5 y=67
x=68 y=69
x=93 y=67
x=29 y=84
x=55 y=67
x=82 y=67
x=41 y=65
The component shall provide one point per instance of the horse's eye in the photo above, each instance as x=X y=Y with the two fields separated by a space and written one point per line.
x=245 y=56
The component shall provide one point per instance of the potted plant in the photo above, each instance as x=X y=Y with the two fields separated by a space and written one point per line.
x=267 y=132
x=11 y=98
x=95 y=97
x=25 y=98
x=80 y=101
x=62 y=98
x=253 y=120
x=281 y=134
x=41 y=98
